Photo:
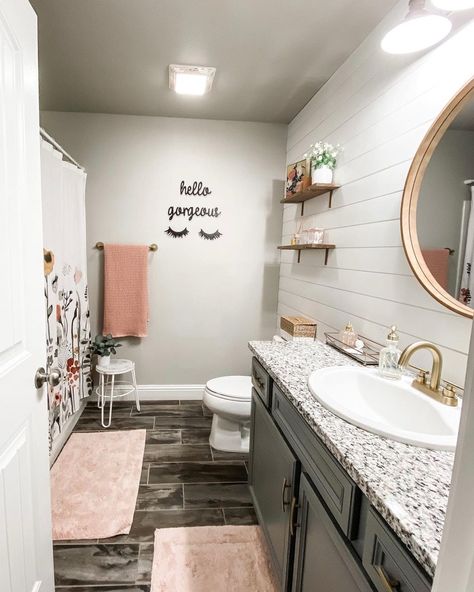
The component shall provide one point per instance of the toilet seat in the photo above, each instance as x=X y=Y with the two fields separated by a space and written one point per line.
x=231 y=388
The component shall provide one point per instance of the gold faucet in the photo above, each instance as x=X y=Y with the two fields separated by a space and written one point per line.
x=447 y=395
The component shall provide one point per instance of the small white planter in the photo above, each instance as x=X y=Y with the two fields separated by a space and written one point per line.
x=322 y=174
x=103 y=361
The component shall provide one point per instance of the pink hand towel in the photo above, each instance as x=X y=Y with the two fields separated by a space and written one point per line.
x=437 y=261
x=125 y=290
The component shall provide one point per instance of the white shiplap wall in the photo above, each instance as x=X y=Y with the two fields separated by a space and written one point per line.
x=378 y=107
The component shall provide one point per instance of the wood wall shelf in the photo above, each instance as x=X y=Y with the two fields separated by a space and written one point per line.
x=324 y=246
x=312 y=191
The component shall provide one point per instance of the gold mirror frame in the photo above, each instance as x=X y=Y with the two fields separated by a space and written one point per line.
x=411 y=193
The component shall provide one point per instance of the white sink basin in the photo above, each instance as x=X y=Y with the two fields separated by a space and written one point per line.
x=390 y=408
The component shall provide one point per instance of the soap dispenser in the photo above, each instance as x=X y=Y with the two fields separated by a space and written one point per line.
x=348 y=335
x=389 y=356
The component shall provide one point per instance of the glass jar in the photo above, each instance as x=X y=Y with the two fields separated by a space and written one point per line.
x=311 y=235
x=318 y=236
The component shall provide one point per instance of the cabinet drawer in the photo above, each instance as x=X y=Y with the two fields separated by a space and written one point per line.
x=261 y=382
x=338 y=491
x=387 y=563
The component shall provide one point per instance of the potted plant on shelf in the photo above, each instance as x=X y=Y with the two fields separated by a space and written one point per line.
x=104 y=346
x=323 y=161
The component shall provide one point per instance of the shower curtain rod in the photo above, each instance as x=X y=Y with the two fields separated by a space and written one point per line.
x=52 y=141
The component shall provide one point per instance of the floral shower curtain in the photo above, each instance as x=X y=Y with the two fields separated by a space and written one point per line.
x=467 y=281
x=65 y=286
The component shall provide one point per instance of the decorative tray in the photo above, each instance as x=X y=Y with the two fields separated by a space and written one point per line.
x=368 y=355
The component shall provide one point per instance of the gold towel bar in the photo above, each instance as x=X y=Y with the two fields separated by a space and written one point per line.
x=152 y=247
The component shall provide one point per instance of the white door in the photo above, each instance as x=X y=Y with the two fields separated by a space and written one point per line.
x=25 y=523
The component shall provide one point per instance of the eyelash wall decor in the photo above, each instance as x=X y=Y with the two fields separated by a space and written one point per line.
x=215 y=235
x=176 y=233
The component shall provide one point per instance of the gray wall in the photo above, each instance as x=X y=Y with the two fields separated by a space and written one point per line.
x=207 y=298
x=438 y=216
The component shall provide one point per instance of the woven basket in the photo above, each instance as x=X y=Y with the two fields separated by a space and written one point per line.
x=298 y=326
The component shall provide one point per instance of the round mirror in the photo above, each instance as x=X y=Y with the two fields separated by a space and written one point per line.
x=437 y=215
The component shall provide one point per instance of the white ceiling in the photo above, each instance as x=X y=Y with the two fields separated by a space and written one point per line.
x=111 y=56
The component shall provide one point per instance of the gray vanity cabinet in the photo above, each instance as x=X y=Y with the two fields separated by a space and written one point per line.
x=323 y=534
x=273 y=472
x=323 y=562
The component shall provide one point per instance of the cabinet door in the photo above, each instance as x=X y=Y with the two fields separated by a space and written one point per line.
x=323 y=561
x=273 y=471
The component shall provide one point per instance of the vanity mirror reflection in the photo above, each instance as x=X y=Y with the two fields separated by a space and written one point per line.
x=437 y=213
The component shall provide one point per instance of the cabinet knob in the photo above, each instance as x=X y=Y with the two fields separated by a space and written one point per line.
x=258 y=382
x=293 y=509
x=389 y=583
x=285 y=486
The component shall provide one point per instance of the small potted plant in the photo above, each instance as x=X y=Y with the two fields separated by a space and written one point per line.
x=323 y=161
x=103 y=346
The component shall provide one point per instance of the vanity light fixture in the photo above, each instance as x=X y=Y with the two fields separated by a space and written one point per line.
x=453 y=5
x=419 y=29
x=191 y=80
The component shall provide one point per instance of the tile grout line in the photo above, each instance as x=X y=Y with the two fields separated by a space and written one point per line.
x=198 y=483
x=188 y=509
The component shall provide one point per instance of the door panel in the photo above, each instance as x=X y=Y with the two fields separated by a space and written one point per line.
x=273 y=473
x=12 y=342
x=16 y=509
x=25 y=523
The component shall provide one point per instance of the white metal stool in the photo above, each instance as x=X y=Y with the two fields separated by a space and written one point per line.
x=107 y=386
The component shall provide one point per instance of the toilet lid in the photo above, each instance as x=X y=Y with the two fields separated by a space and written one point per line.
x=231 y=387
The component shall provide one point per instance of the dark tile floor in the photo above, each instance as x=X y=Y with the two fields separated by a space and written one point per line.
x=184 y=483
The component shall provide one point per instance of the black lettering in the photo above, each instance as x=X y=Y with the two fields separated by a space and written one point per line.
x=197 y=189
x=191 y=212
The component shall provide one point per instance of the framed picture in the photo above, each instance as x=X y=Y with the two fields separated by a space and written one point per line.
x=298 y=177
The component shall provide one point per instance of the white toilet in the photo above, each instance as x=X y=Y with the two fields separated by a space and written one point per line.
x=229 y=398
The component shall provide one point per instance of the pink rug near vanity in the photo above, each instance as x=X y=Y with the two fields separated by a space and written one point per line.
x=94 y=484
x=211 y=558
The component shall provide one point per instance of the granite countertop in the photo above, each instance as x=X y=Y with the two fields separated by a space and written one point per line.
x=408 y=485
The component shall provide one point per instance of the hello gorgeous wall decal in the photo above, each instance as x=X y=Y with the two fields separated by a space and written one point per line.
x=197 y=189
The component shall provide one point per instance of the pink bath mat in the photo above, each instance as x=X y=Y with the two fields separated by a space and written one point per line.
x=211 y=559
x=94 y=484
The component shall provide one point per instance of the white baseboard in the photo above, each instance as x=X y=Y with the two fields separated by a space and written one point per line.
x=166 y=392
